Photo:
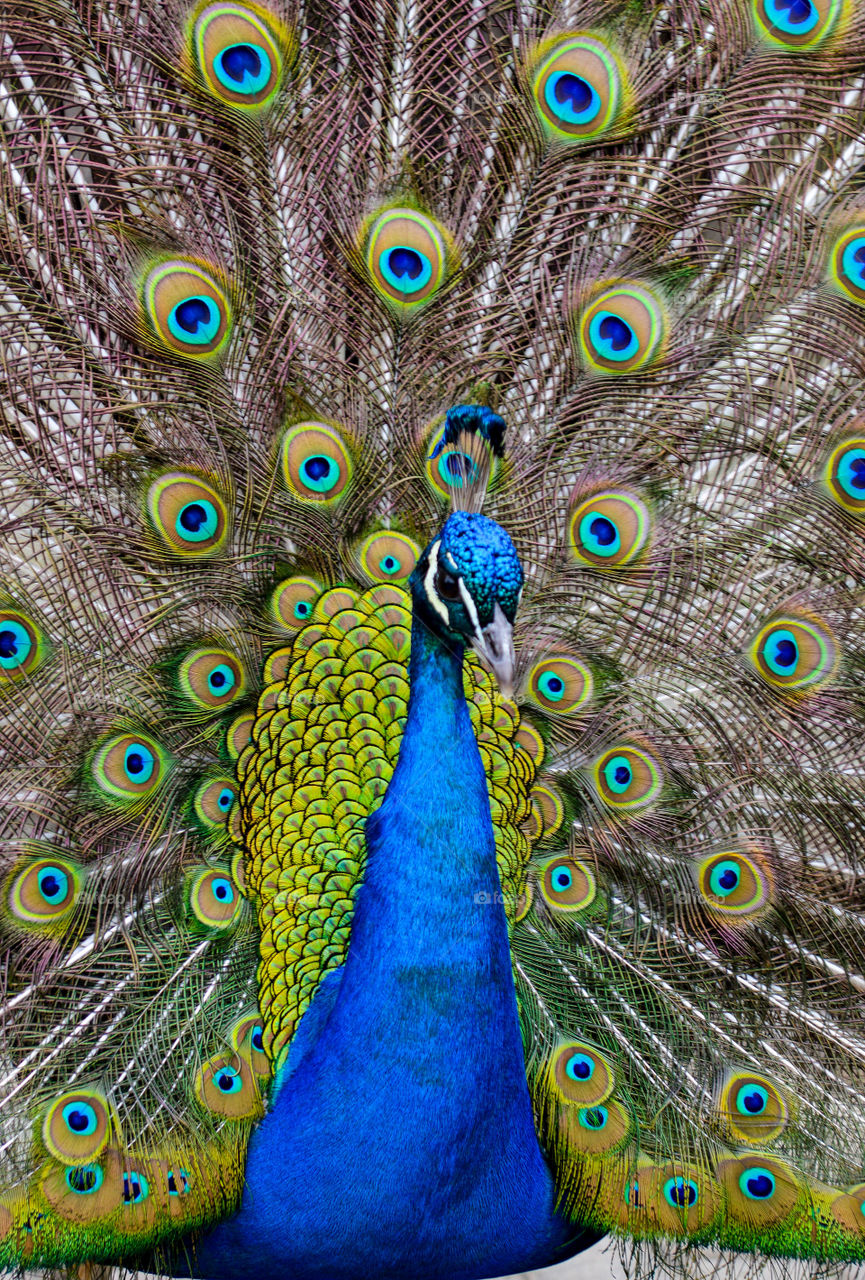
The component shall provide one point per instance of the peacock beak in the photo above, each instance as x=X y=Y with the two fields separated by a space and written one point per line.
x=494 y=644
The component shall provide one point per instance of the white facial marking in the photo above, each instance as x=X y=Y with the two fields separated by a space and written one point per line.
x=429 y=585
x=470 y=607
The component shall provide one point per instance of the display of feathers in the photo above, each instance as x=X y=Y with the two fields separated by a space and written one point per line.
x=288 y=294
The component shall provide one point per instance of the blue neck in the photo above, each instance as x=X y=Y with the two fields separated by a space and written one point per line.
x=401 y=1141
x=431 y=871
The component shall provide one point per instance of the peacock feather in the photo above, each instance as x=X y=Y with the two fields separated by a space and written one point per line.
x=432 y=459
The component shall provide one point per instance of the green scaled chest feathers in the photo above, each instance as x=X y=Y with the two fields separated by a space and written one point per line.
x=274 y=277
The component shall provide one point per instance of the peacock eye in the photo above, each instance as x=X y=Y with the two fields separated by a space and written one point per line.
x=239 y=52
x=406 y=257
x=797 y=24
x=447 y=584
x=317 y=464
x=848 y=263
x=795 y=653
x=187 y=308
x=22 y=646
x=623 y=329
x=578 y=89
x=845 y=473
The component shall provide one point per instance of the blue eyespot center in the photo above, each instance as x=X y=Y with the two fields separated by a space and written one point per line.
x=752 y=1100
x=593 y=1117
x=389 y=565
x=552 y=686
x=614 y=331
x=603 y=531
x=225 y=799
x=562 y=879
x=194 y=320
x=85 y=1179
x=405 y=269
x=135 y=1187
x=221 y=680
x=851 y=476
x=781 y=652
x=853 y=261
x=222 y=890
x=257 y=1039
x=457 y=469
x=612 y=337
x=581 y=1067
x=15 y=645
x=197 y=521
x=599 y=534
x=302 y=609
x=785 y=653
x=320 y=473
x=757 y=1184
x=138 y=763
x=178 y=1183
x=724 y=878
x=681 y=1193
x=227 y=1080
x=243 y=68
x=571 y=99
x=53 y=884
x=80 y=1118
x=618 y=774
x=796 y=17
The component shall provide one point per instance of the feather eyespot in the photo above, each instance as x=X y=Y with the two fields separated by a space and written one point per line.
x=211 y=678
x=45 y=891
x=560 y=685
x=317 y=465
x=848 y=263
x=187 y=309
x=214 y=899
x=845 y=475
x=751 y=1108
x=795 y=654
x=129 y=767
x=387 y=557
x=596 y=1129
x=214 y=801
x=239 y=51
x=759 y=1191
x=609 y=530
x=582 y=1075
x=84 y=1180
x=681 y=1193
x=293 y=601
x=578 y=89
x=567 y=884
x=227 y=1086
x=797 y=24
x=683 y=1198
x=22 y=645
x=247 y=1037
x=449 y=469
x=406 y=257
x=188 y=514
x=735 y=886
x=623 y=329
x=628 y=778
x=77 y=1127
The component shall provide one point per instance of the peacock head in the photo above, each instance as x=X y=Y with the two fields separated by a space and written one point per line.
x=466 y=589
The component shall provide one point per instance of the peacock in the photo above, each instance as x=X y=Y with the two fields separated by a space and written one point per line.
x=432 y=654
